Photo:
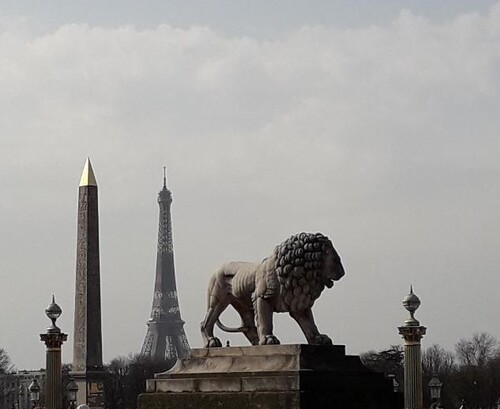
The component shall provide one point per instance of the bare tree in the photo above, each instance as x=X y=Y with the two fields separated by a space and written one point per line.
x=476 y=379
x=128 y=377
x=436 y=360
x=6 y=365
x=477 y=351
x=389 y=362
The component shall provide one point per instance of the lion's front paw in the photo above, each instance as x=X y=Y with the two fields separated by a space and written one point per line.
x=321 y=339
x=213 y=342
x=269 y=340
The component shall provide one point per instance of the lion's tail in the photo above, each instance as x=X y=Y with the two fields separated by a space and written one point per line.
x=229 y=329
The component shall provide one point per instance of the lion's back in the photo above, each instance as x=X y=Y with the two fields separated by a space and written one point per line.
x=242 y=277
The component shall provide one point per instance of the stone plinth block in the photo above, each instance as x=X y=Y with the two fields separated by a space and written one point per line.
x=270 y=377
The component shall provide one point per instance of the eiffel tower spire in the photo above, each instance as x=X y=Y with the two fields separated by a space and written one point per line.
x=165 y=337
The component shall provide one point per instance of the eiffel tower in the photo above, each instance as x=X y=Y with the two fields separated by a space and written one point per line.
x=165 y=337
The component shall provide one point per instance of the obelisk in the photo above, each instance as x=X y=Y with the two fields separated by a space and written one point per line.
x=87 y=341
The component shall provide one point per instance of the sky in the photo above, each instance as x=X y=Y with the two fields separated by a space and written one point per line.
x=375 y=124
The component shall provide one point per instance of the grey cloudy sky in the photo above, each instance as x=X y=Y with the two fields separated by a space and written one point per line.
x=376 y=124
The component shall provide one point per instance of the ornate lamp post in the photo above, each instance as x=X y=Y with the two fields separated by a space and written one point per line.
x=20 y=392
x=435 y=386
x=412 y=333
x=34 y=390
x=395 y=383
x=53 y=339
x=72 y=389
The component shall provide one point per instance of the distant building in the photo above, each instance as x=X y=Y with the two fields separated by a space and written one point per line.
x=9 y=385
x=14 y=392
x=24 y=379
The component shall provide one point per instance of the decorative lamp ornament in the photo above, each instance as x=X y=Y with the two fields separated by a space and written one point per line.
x=411 y=302
x=53 y=311
x=395 y=383
x=34 y=390
x=72 y=389
x=435 y=386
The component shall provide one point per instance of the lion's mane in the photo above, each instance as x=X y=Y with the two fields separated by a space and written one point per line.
x=299 y=269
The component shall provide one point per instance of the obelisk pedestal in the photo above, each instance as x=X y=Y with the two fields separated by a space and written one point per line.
x=53 y=339
x=412 y=333
x=88 y=370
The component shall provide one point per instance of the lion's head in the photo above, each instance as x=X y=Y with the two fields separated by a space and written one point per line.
x=305 y=263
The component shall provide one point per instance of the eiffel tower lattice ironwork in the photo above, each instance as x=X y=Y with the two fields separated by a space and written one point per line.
x=165 y=337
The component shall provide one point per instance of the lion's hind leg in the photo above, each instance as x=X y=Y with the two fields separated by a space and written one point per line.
x=248 y=320
x=207 y=326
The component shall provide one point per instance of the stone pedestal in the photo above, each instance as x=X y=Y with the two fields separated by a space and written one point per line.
x=270 y=377
x=91 y=387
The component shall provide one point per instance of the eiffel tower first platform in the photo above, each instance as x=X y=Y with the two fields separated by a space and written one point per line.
x=165 y=337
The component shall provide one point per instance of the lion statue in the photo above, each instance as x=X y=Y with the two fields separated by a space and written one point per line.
x=289 y=280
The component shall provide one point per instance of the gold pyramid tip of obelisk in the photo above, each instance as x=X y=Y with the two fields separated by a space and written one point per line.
x=88 y=177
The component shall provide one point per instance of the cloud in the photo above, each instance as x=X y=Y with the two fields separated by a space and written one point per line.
x=383 y=137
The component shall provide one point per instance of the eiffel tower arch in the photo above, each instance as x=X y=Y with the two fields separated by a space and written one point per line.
x=165 y=337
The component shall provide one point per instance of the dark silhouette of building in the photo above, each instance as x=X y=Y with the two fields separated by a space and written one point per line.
x=165 y=337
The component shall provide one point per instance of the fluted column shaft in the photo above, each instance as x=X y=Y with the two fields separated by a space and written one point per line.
x=413 y=366
x=413 y=373
x=53 y=370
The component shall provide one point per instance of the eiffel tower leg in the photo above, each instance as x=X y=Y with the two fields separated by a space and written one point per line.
x=181 y=346
x=170 y=348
